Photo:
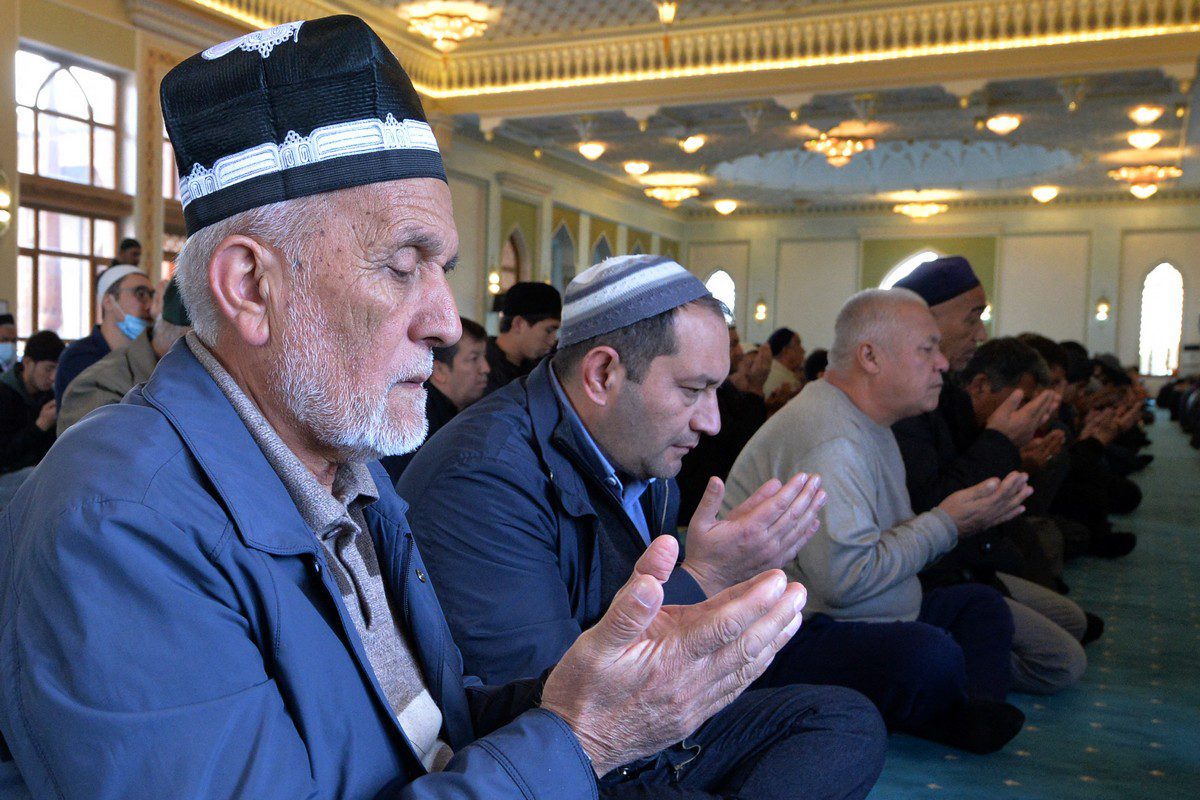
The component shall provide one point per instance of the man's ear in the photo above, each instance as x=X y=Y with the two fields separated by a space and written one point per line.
x=978 y=387
x=519 y=325
x=867 y=355
x=246 y=280
x=441 y=371
x=601 y=374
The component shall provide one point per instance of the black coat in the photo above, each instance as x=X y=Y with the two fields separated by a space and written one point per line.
x=22 y=442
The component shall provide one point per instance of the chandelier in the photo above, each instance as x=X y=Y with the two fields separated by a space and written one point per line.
x=838 y=150
x=1147 y=173
x=920 y=210
x=671 y=196
x=447 y=23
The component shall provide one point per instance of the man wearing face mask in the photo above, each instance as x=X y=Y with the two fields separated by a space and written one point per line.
x=126 y=296
x=8 y=342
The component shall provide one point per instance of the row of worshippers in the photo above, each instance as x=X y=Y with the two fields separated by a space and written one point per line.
x=215 y=581
x=1181 y=398
x=216 y=578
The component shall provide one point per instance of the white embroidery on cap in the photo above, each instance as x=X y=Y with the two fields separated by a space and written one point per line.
x=262 y=41
x=355 y=137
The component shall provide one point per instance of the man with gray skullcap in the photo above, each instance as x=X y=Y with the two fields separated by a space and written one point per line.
x=210 y=588
x=572 y=467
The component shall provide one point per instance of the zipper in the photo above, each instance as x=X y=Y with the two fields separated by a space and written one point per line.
x=404 y=565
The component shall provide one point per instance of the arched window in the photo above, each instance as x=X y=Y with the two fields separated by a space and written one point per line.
x=602 y=250
x=512 y=260
x=1162 y=321
x=722 y=287
x=562 y=258
x=902 y=270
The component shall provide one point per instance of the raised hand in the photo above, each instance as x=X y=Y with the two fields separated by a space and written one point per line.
x=1038 y=453
x=47 y=416
x=647 y=675
x=988 y=503
x=764 y=532
x=1020 y=422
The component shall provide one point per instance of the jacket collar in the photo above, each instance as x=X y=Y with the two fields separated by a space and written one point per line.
x=261 y=508
x=557 y=442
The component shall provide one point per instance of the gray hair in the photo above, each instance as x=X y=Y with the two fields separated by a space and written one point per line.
x=284 y=225
x=869 y=316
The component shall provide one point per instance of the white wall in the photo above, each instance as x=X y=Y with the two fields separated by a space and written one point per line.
x=1142 y=252
x=733 y=257
x=815 y=277
x=1042 y=285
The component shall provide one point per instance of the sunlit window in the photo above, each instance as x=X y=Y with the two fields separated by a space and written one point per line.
x=66 y=121
x=511 y=267
x=905 y=268
x=722 y=287
x=1162 y=321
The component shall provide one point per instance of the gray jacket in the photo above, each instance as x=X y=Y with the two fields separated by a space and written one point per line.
x=107 y=381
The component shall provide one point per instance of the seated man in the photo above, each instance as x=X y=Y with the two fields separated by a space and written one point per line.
x=458 y=379
x=572 y=469
x=873 y=628
x=209 y=588
x=110 y=378
x=126 y=296
x=27 y=407
x=787 y=364
x=528 y=330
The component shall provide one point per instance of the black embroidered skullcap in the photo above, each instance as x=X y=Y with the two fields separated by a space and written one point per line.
x=941 y=279
x=299 y=109
x=530 y=298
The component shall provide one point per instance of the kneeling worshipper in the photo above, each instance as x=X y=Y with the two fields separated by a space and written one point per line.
x=210 y=588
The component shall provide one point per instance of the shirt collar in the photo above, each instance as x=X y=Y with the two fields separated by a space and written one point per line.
x=628 y=490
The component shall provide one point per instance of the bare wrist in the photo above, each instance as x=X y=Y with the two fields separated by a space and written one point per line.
x=705 y=576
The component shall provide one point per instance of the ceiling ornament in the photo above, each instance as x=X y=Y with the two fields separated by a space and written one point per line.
x=636 y=168
x=447 y=23
x=725 y=207
x=672 y=188
x=838 y=150
x=671 y=196
x=1144 y=180
x=1145 y=114
x=1044 y=194
x=691 y=144
x=1072 y=91
x=1143 y=139
x=920 y=211
x=1003 y=124
x=588 y=147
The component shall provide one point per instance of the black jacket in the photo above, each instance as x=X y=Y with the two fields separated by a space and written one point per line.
x=22 y=442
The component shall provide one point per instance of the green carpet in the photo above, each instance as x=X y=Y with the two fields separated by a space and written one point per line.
x=1131 y=728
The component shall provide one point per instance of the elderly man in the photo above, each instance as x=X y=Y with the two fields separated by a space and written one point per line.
x=573 y=468
x=126 y=298
x=210 y=582
x=528 y=330
x=872 y=625
x=458 y=379
x=110 y=378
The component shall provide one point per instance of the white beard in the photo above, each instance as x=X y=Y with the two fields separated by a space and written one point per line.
x=321 y=387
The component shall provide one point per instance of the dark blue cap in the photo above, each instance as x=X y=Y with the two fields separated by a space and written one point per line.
x=941 y=279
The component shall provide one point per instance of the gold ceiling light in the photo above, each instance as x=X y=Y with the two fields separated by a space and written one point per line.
x=1143 y=191
x=1003 y=124
x=1147 y=173
x=691 y=144
x=838 y=150
x=667 y=11
x=920 y=211
x=1144 y=139
x=636 y=168
x=1145 y=114
x=1044 y=194
x=671 y=196
x=591 y=150
x=447 y=23
x=725 y=207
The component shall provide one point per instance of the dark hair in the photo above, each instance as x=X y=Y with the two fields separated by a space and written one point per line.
x=1054 y=354
x=637 y=344
x=7 y=319
x=780 y=339
x=1004 y=362
x=1079 y=363
x=44 y=346
x=470 y=330
x=530 y=319
x=815 y=364
x=128 y=243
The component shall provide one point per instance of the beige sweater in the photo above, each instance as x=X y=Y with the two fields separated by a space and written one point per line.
x=863 y=563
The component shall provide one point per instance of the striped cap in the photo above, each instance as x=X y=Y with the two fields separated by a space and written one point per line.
x=622 y=290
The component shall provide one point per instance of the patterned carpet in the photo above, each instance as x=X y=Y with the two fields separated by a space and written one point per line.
x=1131 y=728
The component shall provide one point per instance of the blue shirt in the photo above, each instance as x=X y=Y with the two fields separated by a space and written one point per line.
x=628 y=492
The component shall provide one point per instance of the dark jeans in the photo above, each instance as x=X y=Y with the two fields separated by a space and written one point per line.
x=815 y=742
x=914 y=672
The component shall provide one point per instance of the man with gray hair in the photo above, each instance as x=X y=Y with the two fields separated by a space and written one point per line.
x=214 y=579
x=945 y=654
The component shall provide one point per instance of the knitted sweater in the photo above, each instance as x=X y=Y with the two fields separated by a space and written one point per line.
x=863 y=563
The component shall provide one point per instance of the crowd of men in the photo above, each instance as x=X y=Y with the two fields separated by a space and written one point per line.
x=664 y=566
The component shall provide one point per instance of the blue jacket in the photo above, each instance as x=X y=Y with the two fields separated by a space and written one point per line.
x=168 y=629
x=527 y=581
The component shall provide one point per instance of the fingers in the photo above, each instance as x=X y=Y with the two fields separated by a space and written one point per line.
x=658 y=561
x=705 y=515
x=628 y=617
x=722 y=619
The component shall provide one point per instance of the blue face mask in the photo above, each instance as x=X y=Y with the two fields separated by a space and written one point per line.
x=132 y=326
x=8 y=355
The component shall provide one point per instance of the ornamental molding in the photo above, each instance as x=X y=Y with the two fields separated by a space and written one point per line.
x=708 y=61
